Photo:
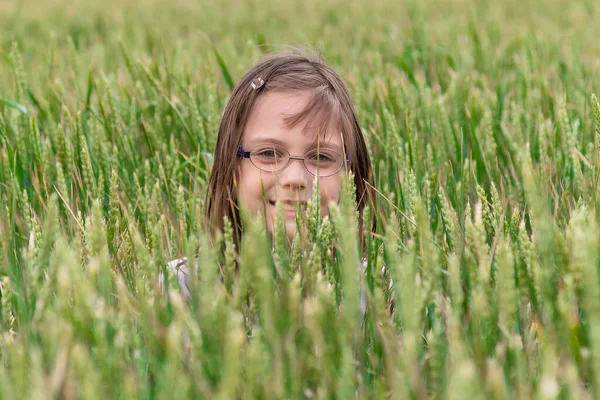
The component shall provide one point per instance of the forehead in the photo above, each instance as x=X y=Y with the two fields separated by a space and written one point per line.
x=267 y=122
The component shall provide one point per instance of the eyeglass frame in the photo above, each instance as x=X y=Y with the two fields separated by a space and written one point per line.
x=246 y=154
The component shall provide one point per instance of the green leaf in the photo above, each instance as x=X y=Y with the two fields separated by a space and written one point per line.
x=261 y=43
x=224 y=70
x=90 y=89
x=19 y=107
x=36 y=102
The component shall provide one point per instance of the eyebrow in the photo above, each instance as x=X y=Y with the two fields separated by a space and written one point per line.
x=260 y=140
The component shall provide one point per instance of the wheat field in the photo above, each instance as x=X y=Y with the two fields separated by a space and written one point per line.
x=483 y=126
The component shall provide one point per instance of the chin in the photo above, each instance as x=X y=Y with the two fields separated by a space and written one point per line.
x=290 y=227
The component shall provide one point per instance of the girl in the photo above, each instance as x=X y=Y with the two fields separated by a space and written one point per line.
x=290 y=119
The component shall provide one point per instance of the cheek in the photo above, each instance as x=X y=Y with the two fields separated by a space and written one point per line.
x=249 y=193
x=244 y=187
x=329 y=191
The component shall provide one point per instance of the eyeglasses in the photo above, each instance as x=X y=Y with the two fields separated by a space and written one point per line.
x=274 y=158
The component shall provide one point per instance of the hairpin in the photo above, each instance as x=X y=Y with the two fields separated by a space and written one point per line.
x=257 y=83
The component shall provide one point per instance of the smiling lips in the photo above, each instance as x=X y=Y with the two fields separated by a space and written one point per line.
x=290 y=206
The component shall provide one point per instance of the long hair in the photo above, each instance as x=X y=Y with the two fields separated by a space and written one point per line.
x=330 y=103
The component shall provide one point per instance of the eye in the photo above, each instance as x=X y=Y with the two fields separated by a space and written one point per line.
x=269 y=153
x=321 y=157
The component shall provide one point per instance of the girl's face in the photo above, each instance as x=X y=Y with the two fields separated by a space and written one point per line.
x=292 y=185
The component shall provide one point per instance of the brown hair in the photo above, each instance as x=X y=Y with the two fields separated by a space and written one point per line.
x=330 y=101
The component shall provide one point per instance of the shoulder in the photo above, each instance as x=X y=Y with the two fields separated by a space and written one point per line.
x=178 y=265
x=180 y=269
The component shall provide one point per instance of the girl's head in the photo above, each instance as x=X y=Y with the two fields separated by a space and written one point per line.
x=286 y=106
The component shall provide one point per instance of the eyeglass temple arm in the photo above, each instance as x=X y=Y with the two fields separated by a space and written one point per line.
x=243 y=154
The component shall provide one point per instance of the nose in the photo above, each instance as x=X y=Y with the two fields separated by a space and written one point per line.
x=294 y=176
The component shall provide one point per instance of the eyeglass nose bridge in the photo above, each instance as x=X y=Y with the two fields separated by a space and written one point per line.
x=289 y=161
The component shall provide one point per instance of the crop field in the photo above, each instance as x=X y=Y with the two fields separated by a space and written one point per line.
x=482 y=280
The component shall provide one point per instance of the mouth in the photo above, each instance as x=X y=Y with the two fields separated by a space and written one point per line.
x=289 y=207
